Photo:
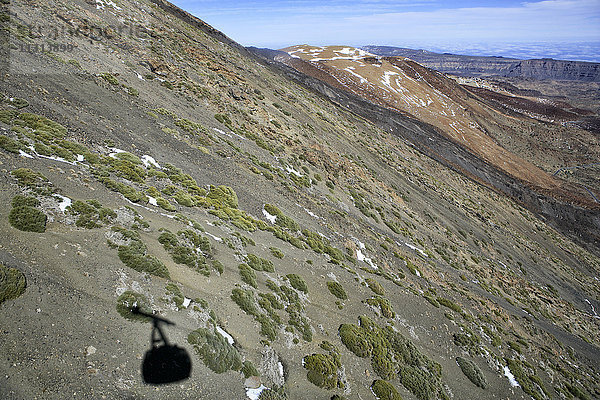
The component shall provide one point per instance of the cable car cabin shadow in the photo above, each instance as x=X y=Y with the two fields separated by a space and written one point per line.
x=164 y=363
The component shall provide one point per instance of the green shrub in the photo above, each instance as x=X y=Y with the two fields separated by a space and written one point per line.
x=184 y=198
x=260 y=264
x=432 y=300
x=164 y=204
x=577 y=392
x=419 y=382
x=245 y=300
x=383 y=304
x=217 y=266
x=384 y=390
x=18 y=102
x=224 y=119
x=130 y=299
x=108 y=77
x=282 y=220
x=29 y=201
x=248 y=275
x=356 y=340
x=375 y=286
x=12 y=283
x=272 y=299
x=134 y=255
x=126 y=167
x=7 y=116
x=514 y=346
x=174 y=294
x=450 y=304
x=297 y=282
x=28 y=177
x=248 y=369
x=126 y=156
x=28 y=219
x=10 y=145
x=185 y=251
x=214 y=350
x=127 y=191
x=337 y=290
x=276 y=393
x=472 y=371
x=223 y=196
x=189 y=126
x=268 y=327
x=297 y=320
x=323 y=368
x=531 y=383
x=42 y=126
x=91 y=213
x=391 y=352
x=276 y=252
x=468 y=339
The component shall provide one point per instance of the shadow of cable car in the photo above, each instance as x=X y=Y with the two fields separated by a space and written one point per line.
x=163 y=363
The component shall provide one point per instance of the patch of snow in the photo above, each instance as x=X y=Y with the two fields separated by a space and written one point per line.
x=222 y=132
x=149 y=160
x=140 y=77
x=350 y=69
x=280 y=365
x=80 y=157
x=218 y=239
x=66 y=202
x=101 y=4
x=27 y=155
x=312 y=214
x=115 y=151
x=417 y=272
x=415 y=248
x=225 y=335
x=60 y=159
x=152 y=201
x=511 y=377
x=269 y=217
x=186 y=302
x=254 y=394
x=360 y=256
x=386 y=79
x=293 y=171
x=593 y=309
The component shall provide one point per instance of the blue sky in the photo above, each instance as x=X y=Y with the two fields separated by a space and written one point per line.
x=551 y=28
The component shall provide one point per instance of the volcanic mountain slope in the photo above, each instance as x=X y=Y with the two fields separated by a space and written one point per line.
x=159 y=164
x=463 y=65
x=406 y=86
x=495 y=125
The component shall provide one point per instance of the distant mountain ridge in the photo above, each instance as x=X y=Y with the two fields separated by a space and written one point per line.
x=464 y=65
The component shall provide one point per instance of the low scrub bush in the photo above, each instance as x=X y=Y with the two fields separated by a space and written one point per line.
x=472 y=371
x=12 y=283
x=323 y=368
x=384 y=390
x=28 y=219
x=297 y=282
x=215 y=351
x=131 y=299
x=337 y=290
x=134 y=255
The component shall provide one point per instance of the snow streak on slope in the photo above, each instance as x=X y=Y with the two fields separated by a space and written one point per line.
x=401 y=84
